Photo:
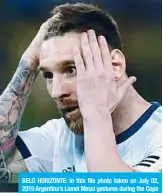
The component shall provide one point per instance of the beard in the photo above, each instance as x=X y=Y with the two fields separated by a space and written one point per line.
x=74 y=119
x=75 y=123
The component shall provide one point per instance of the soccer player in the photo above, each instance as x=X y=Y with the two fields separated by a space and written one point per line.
x=106 y=125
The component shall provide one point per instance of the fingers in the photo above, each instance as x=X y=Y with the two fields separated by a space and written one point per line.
x=96 y=54
x=45 y=25
x=80 y=67
x=49 y=21
x=86 y=51
x=105 y=53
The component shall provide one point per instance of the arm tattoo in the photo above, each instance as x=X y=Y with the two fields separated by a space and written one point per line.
x=12 y=104
x=5 y=173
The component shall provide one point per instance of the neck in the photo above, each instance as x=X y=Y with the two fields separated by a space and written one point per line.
x=128 y=111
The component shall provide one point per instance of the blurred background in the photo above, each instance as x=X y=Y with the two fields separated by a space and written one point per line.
x=140 y=25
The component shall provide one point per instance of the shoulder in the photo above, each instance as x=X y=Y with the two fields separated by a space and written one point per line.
x=48 y=129
x=41 y=140
x=154 y=126
x=47 y=134
x=151 y=131
x=156 y=117
x=144 y=138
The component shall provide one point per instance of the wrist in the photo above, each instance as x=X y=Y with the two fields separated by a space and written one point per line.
x=99 y=122
x=96 y=114
x=31 y=59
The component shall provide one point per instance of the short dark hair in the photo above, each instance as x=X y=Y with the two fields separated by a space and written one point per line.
x=80 y=17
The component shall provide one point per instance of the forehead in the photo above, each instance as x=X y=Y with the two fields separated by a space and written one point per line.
x=59 y=46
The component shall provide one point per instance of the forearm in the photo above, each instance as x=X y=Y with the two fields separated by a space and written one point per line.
x=9 y=168
x=5 y=173
x=12 y=103
x=100 y=145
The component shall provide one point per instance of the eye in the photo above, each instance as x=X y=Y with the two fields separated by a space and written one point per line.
x=71 y=70
x=48 y=75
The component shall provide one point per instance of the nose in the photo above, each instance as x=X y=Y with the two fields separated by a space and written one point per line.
x=60 y=90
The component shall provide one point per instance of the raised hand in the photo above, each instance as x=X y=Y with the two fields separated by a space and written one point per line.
x=96 y=86
x=12 y=104
x=31 y=55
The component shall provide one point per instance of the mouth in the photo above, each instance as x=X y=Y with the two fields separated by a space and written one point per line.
x=70 y=110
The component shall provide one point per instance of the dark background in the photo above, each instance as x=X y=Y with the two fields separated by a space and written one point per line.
x=140 y=25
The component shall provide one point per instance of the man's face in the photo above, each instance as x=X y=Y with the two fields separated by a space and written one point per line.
x=58 y=68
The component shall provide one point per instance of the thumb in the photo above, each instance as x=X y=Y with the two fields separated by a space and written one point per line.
x=125 y=85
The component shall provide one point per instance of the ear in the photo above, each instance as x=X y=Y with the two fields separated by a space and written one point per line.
x=119 y=63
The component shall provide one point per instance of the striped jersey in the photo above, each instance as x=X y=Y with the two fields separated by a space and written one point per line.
x=53 y=147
